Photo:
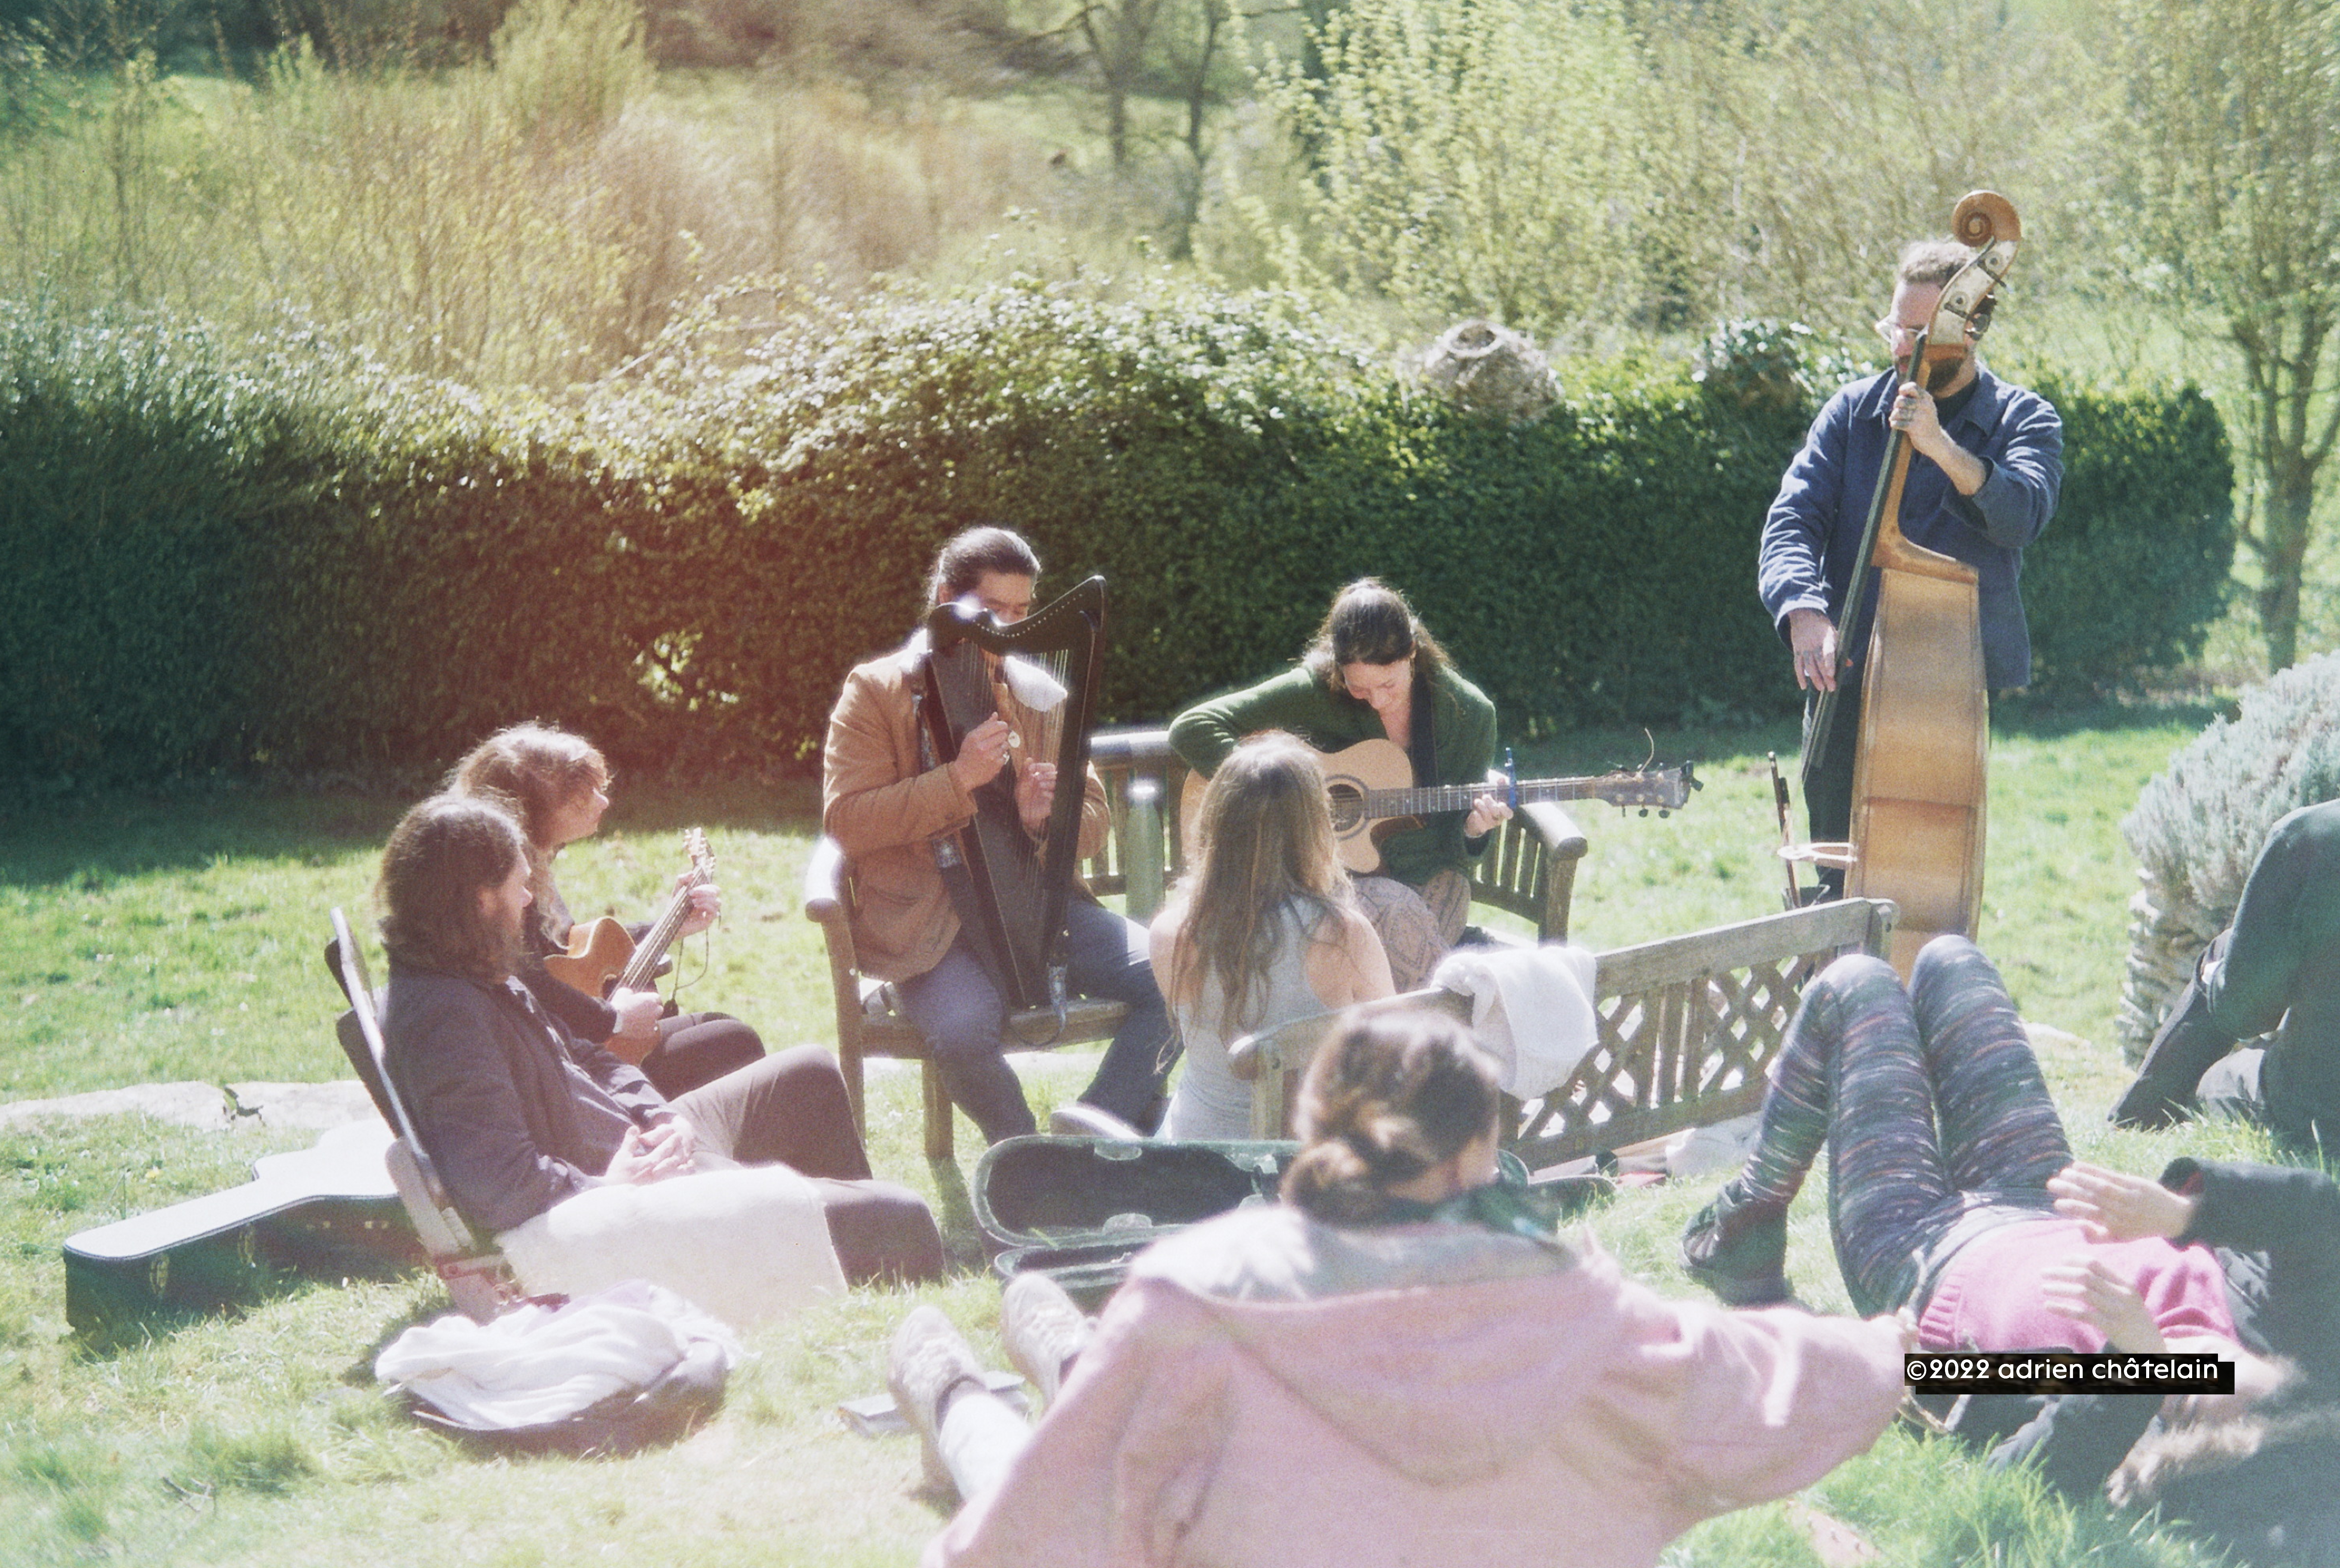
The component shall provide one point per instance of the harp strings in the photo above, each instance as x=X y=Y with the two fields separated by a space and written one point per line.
x=1032 y=687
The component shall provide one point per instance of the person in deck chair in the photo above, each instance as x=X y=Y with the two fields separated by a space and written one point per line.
x=520 y=1114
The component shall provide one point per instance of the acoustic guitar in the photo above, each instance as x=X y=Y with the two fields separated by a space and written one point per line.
x=603 y=957
x=1373 y=796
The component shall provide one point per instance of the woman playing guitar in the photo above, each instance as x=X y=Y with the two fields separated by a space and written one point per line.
x=557 y=784
x=1374 y=672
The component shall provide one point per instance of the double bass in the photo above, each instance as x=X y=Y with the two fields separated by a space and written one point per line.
x=1921 y=770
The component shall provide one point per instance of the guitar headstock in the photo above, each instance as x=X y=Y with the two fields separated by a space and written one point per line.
x=1665 y=790
x=702 y=859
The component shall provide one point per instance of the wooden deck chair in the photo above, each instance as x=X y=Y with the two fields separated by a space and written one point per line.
x=479 y=1281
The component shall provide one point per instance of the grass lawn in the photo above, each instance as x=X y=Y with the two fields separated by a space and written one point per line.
x=156 y=940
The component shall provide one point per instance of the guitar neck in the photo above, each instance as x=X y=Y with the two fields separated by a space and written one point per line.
x=1386 y=802
x=651 y=949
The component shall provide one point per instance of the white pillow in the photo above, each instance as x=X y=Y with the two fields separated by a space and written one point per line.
x=748 y=1246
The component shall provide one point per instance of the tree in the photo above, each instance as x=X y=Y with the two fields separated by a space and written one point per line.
x=1473 y=156
x=1119 y=37
x=2234 y=110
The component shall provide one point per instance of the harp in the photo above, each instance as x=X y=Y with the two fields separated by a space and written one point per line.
x=1040 y=675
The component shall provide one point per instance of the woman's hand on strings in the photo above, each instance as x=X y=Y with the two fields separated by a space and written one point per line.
x=705 y=906
x=2114 y=1206
x=1035 y=794
x=638 y=1011
x=1486 y=811
x=981 y=754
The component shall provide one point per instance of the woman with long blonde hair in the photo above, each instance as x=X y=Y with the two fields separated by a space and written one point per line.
x=1264 y=930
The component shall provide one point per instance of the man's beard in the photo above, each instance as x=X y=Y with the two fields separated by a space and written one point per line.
x=507 y=945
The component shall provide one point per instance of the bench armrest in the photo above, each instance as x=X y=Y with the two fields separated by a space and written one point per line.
x=1551 y=822
x=824 y=883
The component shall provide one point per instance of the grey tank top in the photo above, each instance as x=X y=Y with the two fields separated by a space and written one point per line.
x=1210 y=1102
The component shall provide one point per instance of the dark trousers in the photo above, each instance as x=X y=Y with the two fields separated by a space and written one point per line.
x=959 y=1010
x=790 y=1109
x=695 y=1049
x=2277 y=967
x=1929 y=1103
x=1827 y=784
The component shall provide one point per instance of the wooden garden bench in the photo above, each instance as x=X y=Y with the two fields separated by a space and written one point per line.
x=1689 y=1027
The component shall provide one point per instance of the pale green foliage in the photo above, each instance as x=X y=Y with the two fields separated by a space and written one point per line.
x=1474 y=156
x=439 y=228
x=1798 y=144
x=532 y=222
x=2234 y=167
x=2199 y=825
x=1565 y=166
x=569 y=68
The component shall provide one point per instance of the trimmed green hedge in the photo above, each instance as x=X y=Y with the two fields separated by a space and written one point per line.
x=274 y=558
x=2135 y=567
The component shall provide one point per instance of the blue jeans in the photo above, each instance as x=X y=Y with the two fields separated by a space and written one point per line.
x=959 y=1010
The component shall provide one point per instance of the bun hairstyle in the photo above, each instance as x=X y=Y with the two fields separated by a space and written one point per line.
x=965 y=555
x=1370 y=623
x=1389 y=1099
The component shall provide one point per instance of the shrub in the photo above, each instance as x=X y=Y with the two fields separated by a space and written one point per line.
x=283 y=557
x=2197 y=827
x=2135 y=569
x=274 y=557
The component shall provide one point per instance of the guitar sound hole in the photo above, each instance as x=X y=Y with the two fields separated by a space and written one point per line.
x=1348 y=807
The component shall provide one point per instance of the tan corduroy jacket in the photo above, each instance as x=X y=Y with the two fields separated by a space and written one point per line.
x=877 y=802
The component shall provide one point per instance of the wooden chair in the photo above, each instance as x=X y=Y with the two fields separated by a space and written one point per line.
x=1529 y=870
x=479 y=1281
x=1689 y=1027
x=870 y=1020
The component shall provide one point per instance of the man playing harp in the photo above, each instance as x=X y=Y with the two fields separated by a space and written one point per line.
x=893 y=812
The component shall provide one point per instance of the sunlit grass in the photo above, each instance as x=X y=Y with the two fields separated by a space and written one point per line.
x=260 y=1438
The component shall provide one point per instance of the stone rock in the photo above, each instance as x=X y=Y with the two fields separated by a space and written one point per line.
x=316 y=1106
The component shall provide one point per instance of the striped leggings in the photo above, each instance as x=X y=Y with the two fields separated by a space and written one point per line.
x=1930 y=1105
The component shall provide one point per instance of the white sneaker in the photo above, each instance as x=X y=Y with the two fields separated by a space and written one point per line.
x=1044 y=1331
x=927 y=1363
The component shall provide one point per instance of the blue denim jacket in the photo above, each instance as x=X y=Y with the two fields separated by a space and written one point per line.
x=1813 y=530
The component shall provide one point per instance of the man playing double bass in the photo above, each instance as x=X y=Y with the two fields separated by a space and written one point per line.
x=1985 y=467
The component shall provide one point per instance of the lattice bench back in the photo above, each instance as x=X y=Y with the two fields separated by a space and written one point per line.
x=1689 y=1027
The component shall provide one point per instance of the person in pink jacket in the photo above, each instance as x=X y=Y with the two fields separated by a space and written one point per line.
x=1397 y=1365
